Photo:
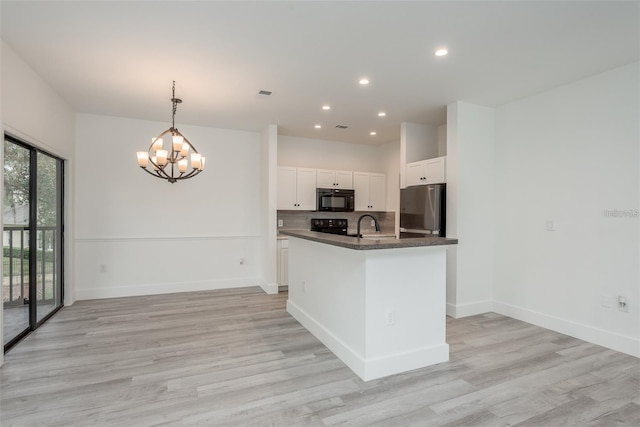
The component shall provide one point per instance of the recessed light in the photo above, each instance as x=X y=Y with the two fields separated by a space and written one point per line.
x=326 y=107
x=364 y=81
x=441 y=52
x=318 y=126
x=372 y=133
x=382 y=114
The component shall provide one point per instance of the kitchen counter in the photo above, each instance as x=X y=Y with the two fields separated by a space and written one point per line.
x=369 y=241
x=377 y=303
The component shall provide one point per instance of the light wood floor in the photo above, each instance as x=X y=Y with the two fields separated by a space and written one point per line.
x=235 y=357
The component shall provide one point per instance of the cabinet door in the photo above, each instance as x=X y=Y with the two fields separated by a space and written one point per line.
x=361 y=187
x=306 y=189
x=287 y=188
x=377 y=191
x=325 y=178
x=344 y=179
x=284 y=267
x=283 y=263
x=415 y=173
x=435 y=170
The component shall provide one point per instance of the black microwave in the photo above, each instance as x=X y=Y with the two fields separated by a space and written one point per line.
x=335 y=200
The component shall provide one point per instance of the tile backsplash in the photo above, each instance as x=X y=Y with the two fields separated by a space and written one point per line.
x=301 y=220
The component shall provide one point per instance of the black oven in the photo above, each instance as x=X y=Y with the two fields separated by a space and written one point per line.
x=334 y=200
x=330 y=225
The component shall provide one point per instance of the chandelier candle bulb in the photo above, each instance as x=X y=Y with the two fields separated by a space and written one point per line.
x=143 y=159
x=162 y=157
x=182 y=165
x=185 y=150
x=196 y=160
x=178 y=142
x=157 y=143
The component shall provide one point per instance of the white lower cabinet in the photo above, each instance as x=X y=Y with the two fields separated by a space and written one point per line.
x=283 y=262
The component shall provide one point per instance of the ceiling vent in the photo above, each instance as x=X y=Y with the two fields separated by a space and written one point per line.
x=265 y=92
x=341 y=126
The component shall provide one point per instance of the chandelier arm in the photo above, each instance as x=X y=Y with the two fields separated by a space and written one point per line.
x=193 y=172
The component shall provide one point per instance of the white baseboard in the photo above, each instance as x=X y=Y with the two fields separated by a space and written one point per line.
x=370 y=369
x=470 y=309
x=269 y=288
x=612 y=340
x=162 y=288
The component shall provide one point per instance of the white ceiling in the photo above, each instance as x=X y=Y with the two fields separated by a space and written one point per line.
x=119 y=58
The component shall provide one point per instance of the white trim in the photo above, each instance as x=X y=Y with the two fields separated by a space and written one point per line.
x=164 y=238
x=470 y=309
x=162 y=288
x=269 y=288
x=372 y=368
x=35 y=142
x=618 y=342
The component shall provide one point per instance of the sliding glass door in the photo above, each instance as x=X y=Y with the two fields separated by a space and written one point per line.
x=32 y=238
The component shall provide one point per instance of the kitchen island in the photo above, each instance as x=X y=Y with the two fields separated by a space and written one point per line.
x=377 y=304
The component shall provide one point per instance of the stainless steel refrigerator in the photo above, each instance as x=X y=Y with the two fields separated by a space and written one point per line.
x=423 y=211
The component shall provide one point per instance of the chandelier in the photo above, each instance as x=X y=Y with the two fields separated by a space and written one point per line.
x=174 y=164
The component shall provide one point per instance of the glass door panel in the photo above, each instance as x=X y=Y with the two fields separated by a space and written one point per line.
x=48 y=236
x=15 y=240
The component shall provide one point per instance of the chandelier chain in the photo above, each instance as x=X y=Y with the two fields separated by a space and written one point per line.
x=175 y=105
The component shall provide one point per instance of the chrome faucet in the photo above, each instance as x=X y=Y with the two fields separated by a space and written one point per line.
x=375 y=220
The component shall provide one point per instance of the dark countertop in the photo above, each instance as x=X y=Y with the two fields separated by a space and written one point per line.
x=368 y=243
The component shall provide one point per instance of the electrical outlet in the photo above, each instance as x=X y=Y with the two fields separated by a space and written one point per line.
x=373 y=223
x=241 y=261
x=623 y=304
x=390 y=317
x=280 y=223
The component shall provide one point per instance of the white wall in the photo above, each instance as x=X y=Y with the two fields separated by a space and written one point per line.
x=470 y=195
x=268 y=206
x=442 y=140
x=136 y=234
x=565 y=156
x=390 y=159
x=322 y=154
x=31 y=111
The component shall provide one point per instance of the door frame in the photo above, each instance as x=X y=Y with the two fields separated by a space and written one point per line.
x=34 y=323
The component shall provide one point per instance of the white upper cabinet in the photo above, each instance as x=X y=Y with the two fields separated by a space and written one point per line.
x=370 y=191
x=296 y=188
x=430 y=171
x=326 y=178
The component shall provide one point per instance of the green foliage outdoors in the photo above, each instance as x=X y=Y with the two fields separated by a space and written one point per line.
x=6 y=253
x=17 y=170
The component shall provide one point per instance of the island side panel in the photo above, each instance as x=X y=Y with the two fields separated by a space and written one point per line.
x=327 y=296
x=405 y=310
